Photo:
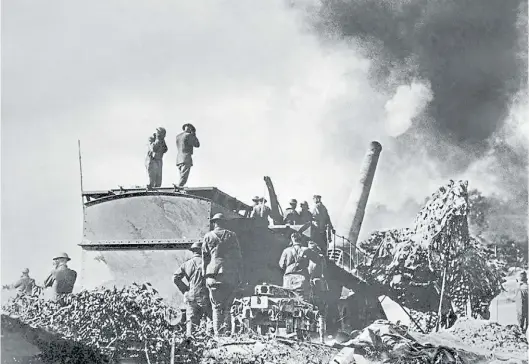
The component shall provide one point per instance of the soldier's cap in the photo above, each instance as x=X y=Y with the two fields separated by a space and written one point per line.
x=25 y=271
x=190 y=126
x=256 y=198
x=317 y=196
x=62 y=256
x=197 y=245
x=293 y=202
x=304 y=203
x=218 y=216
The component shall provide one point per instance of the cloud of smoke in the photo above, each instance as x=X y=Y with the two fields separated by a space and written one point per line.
x=408 y=102
x=471 y=119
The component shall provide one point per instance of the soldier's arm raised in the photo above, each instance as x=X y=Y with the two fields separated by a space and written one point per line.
x=196 y=142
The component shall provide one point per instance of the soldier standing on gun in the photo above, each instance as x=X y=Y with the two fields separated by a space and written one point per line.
x=222 y=268
x=521 y=302
x=261 y=212
x=322 y=223
x=305 y=216
x=62 y=279
x=185 y=142
x=25 y=284
x=196 y=297
x=291 y=215
x=154 y=162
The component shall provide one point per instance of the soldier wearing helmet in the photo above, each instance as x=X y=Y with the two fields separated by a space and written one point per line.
x=154 y=161
x=185 y=142
x=222 y=267
x=196 y=297
x=62 y=279
x=291 y=215
x=25 y=284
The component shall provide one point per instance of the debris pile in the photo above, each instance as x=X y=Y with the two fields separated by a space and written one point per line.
x=132 y=321
x=250 y=349
x=490 y=336
x=392 y=343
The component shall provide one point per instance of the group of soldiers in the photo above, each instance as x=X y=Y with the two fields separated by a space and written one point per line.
x=60 y=281
x=212 y=277
x=186 y=141
x=318 y=218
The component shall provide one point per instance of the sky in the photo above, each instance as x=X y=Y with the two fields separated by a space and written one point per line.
x=269 y=94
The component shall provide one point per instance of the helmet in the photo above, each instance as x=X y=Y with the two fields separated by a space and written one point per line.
x=62 y=256
x=197 y=245
x=25 y=271
x=218 y=216
x=293 y=202
x=256 y=198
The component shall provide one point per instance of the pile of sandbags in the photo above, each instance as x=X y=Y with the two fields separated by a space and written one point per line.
x=120 y=322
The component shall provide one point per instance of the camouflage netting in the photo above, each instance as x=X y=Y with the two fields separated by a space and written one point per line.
x=106 y=325
x=411 y=261
x=132 y=321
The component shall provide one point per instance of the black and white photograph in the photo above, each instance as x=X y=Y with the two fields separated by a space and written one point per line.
x=264 y=182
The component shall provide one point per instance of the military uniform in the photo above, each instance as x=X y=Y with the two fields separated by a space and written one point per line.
x=294 y=264
x=25 y=284
x=322 y=222
x=223 y=259
x=61 y=280
x=291 y=216
x=185 y=142
x=154 y=161
x=196 y=297
x=318 y=284
x=521 y=304
x=261 y=213
x=305 y=216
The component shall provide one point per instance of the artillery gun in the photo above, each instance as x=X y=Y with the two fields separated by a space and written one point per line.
x=276 y=310
x=134 y=235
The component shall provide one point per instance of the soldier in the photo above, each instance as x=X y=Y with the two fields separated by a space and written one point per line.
x=521 y=302
x=305 y=216
x=185 y=142
x=154 y=162
x=291 y=215
x=261 y=212
x=62 y=279
x=195 y=292
x=25 y=284
x=222 y=268
x=318 y=283
x=322 y=223
x=294 y=263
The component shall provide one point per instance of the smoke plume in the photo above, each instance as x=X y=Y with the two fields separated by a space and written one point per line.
x=467 y=118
